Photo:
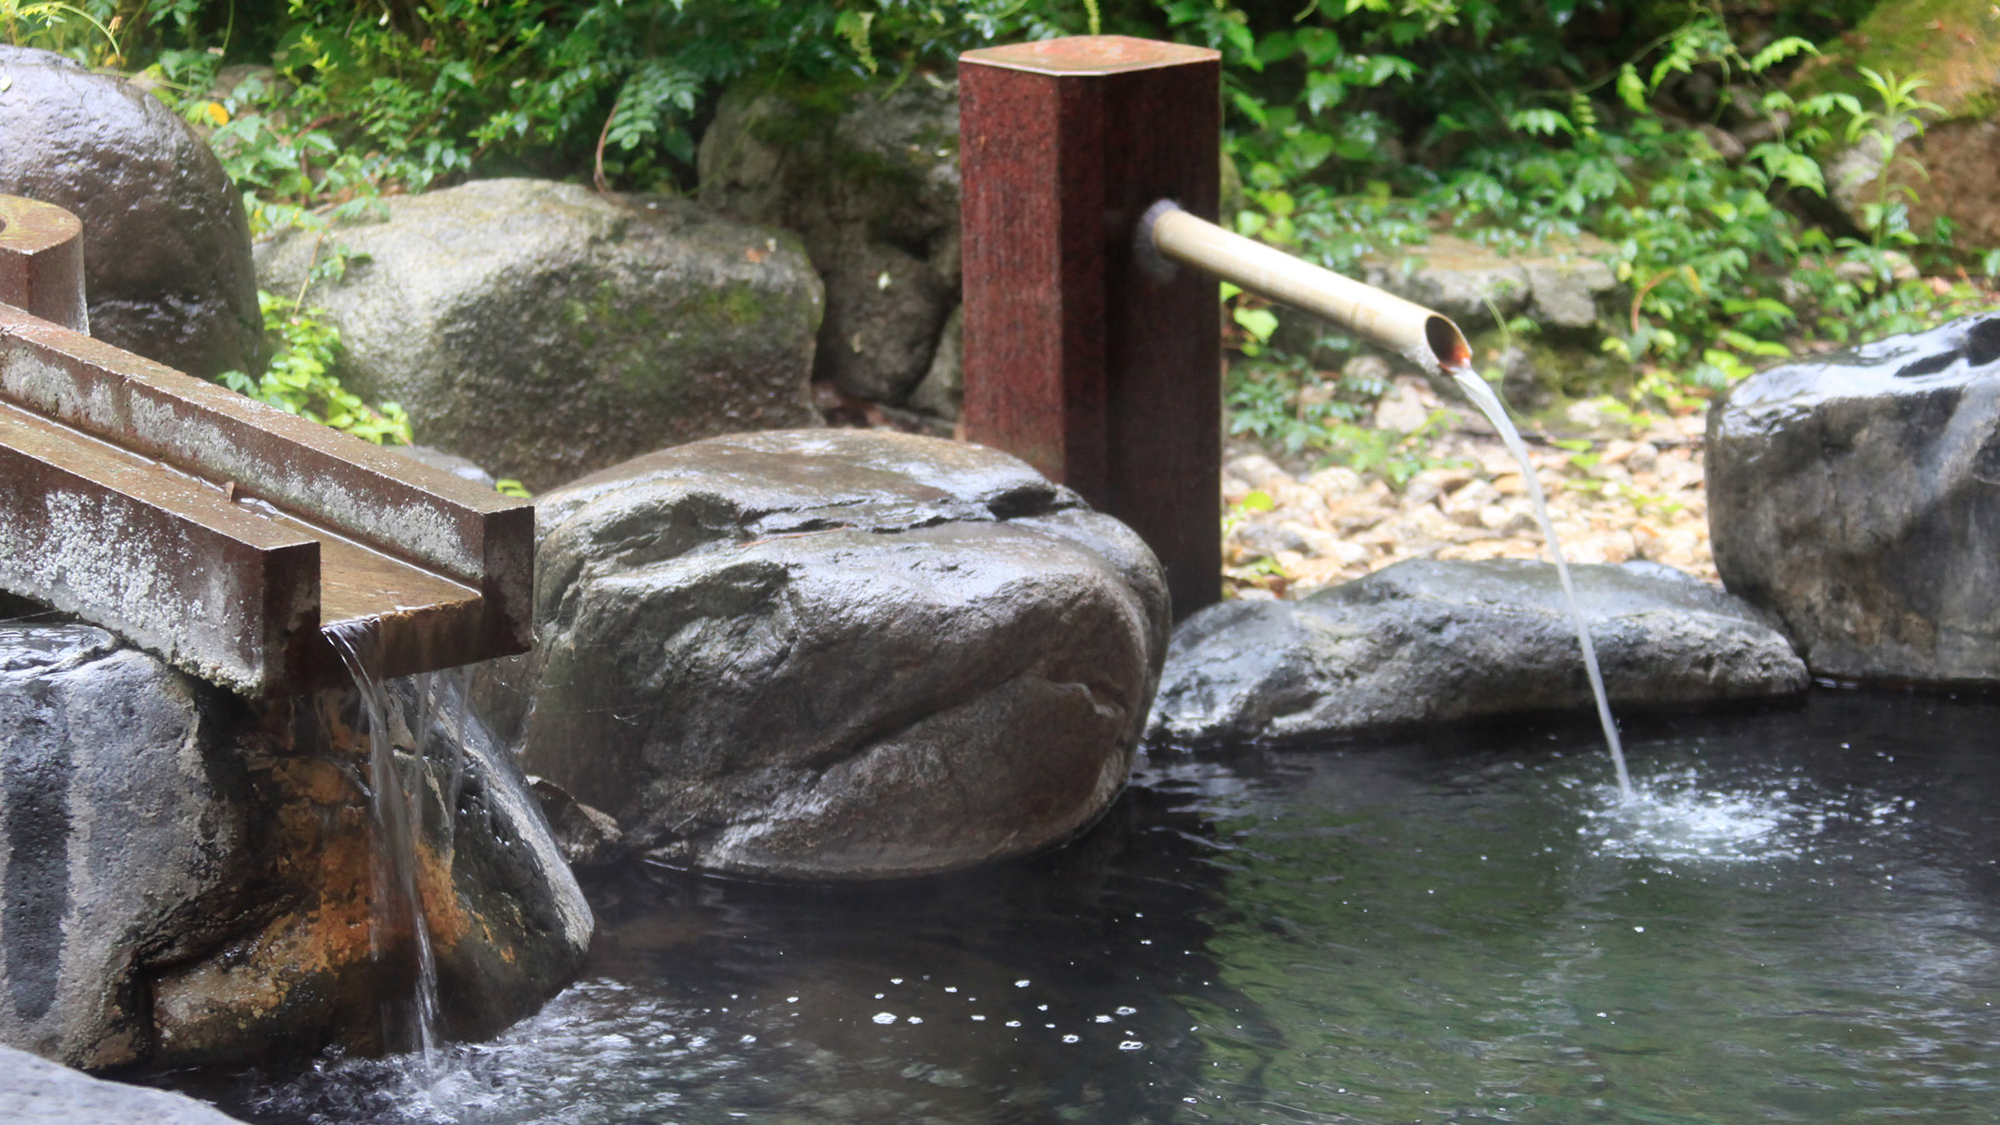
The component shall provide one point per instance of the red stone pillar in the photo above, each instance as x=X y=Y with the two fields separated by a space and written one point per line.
x=41 y=262
x=1075 y=360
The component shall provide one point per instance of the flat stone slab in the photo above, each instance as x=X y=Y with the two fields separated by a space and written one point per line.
x=35 y=1091
x=1427 y=642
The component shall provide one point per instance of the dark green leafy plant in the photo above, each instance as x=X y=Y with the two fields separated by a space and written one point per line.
x=57 y=26
x=1880 y=129
x=1724 y=275
x=1358 y=127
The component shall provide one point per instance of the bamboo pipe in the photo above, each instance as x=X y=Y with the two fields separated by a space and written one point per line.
x=1168 y=234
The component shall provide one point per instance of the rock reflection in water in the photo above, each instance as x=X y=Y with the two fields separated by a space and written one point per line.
x=1458 y=930
x=1055 y=987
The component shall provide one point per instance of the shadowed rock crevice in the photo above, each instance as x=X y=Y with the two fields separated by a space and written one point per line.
x=871 y=184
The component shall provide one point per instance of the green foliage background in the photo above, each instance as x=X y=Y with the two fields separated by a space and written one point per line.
x=1356 y=126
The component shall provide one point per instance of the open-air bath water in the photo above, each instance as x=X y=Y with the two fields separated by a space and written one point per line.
x=1459 y=929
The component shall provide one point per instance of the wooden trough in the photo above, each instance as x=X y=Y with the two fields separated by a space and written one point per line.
x=218 y=532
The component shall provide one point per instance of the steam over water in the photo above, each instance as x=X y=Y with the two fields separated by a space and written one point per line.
x=1799 y=920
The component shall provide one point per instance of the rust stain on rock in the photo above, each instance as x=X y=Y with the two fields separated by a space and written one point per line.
x=313 y=963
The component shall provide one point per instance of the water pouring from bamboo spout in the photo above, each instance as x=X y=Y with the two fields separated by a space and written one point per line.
x=1169 y=235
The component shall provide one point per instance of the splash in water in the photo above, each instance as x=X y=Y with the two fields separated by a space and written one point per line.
x=1676 y=816
x=1489 y=404
x=1673 y=817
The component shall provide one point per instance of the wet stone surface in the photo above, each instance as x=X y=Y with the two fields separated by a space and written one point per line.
x=166 y=240
x=505 y=918
x=1857 y=497
x=125 y=833
x=834 y=654
x=1429 y=641
x=34 y=1091
x=186 y=877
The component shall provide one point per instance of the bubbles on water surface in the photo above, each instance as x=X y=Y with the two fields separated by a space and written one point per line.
x=1673 y=817
x=645 y=1053
x=1764 y=895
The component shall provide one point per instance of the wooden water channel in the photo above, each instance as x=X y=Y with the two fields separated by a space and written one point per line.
x=218 y=532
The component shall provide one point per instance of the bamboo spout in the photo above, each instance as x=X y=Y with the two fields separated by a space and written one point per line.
x=1168 y=234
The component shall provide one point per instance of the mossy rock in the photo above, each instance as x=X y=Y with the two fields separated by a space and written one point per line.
x=547 y=331
x=869 y=179
x=1543 y=375
x=1954 y=44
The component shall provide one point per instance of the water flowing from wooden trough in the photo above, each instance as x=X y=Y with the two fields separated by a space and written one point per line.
x=399 y=932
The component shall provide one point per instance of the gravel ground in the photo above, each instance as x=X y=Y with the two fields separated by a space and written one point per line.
x=1634 y=494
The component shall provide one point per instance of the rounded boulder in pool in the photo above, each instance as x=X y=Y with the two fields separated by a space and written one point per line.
x=835 y=654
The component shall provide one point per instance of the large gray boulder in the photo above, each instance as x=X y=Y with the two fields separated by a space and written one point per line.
x=187 y=878
x=166 y=242
x=126 y=841
x=1857 y=498
x=1426 y=641
x=1471 y=283
x=871 y=182
x=35 y=1091
x=836 y=654
x=546 y=331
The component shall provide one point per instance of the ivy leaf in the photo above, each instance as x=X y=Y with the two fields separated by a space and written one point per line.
x=1323 y=90
x=1632 y=89
x=1779 y=51
x=1546 y=122
x=1319 y=45
x=1260 y=323
x=1251 y=107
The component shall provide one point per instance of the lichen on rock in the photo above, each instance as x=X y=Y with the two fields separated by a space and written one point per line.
x=546 y=331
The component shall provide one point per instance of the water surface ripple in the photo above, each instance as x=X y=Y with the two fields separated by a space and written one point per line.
x=1795 y=921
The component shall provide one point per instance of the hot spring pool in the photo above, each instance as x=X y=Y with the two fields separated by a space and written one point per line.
x=1802 y=923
